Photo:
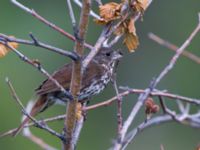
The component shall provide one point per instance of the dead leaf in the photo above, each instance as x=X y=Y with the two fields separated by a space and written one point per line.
x=131 y=41
x=131 y=26
x=140 y=5
x=120 y=29
x=109 y=12
x=4 y=49
x=151 y=106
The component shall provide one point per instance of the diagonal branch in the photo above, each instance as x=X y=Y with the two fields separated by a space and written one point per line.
x=38 y=124
x=154 y=83
x=37 y=43
x=39 y=68
x=48 y=23
x=173 y=47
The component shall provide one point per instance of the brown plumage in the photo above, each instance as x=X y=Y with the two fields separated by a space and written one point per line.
x=94 y=79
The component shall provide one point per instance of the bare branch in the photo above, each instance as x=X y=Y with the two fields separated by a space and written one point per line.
x=154 y=121
x=27 y=133
x=37 y=43
x=56 y=118
x=92 y=13
x=106 y=34
x=140 y=91
x=39 y=67
x=173 y=47
x=190 y=120
x=48 y=23
x=71 y=14
x=38 y=124
x=164 y=72
x=71 y=109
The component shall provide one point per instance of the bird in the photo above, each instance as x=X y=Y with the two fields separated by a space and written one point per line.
x=95 y=77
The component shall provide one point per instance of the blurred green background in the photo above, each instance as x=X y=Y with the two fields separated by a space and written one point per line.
x=172 y=20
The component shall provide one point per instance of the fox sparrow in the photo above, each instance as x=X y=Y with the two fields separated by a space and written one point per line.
x=94 y=79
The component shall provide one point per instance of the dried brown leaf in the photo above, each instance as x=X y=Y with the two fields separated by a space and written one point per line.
x=120 y=29
x=131 y=26
x=108 y=12
x=140 y=5
x=131 y=41
x=151 y=106
x=4 y=50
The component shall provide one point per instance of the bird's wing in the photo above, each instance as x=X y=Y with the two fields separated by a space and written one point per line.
x=63 y=76
x=93 y=72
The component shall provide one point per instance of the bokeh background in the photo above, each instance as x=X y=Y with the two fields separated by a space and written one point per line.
x=172 y=20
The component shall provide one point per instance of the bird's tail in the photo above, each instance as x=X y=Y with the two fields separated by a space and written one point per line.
x=36 y=108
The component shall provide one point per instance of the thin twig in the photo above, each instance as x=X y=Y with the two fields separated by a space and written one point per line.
x=92 y=13
x=136 y=17
x=119 y=108
x=162 y=147
x=40 y=68
x=140 y=91
x=162 y=104
x=27 y=132
x=111 y=100
x=56 y=118
x=106 y=34
x=173 y=47
x=38 y=124
x=153 y=121
x=71 y=14
x=39 y=141
x=153 y=84
x=37 y=43
x=48 y=23
x=190 y=120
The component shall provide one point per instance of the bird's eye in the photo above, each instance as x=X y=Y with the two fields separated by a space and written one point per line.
x=107 y=54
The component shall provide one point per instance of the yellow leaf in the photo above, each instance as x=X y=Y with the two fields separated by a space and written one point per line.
x=131 y=41
x=4 y=50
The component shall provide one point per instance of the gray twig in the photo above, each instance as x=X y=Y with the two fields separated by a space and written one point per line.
x=173 y=47
x=154 y=83
x=48 y=23
x=38 y=124
x=92 y=13
x=35 y=42
x=71 y=14
x=27 y=133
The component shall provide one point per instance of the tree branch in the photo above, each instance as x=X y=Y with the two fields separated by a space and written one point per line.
x=70 y=122
x=153 y=85
x=48 y=23
x=173 y=47
x=37 y=43
x=39 y=68
x=38 y=124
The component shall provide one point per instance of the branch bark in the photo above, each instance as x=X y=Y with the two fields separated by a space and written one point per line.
x=70 y=122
